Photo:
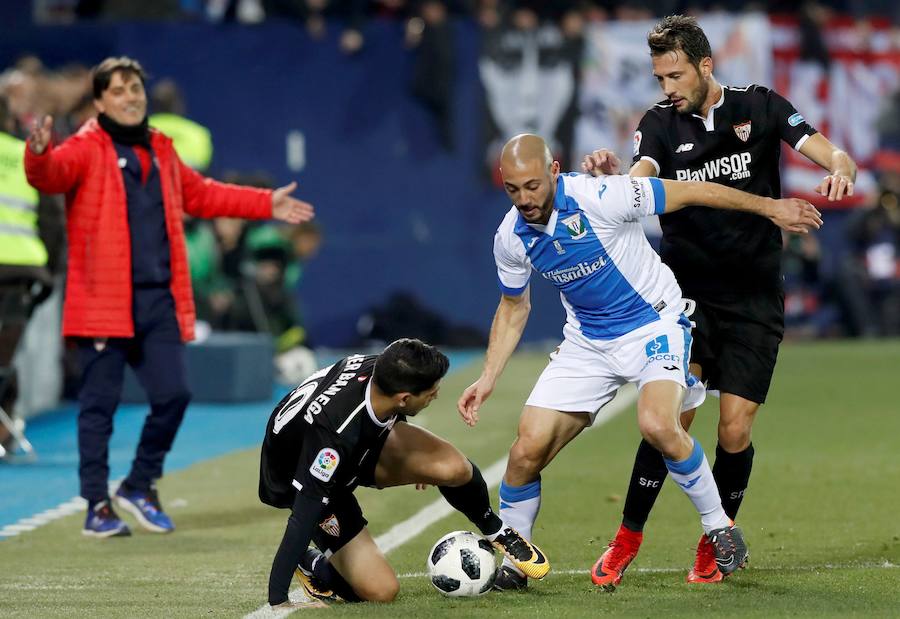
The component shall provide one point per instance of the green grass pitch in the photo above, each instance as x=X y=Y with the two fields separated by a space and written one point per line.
x=820 y=517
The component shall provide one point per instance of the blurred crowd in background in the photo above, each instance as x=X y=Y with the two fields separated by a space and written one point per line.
x=489 y=13
x=246 y=276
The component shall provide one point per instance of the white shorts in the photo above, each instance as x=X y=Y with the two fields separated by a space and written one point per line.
x=584 y=375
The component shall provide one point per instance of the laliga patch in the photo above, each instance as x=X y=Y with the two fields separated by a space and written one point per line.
x=795 y=119
x=325 y=464
x=331 y=526
x=638 y=136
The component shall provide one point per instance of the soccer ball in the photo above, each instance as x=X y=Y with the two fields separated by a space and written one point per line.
x=462 y=564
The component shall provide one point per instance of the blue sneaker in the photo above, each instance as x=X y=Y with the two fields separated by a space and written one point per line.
x=102 y=521
x=144 y=505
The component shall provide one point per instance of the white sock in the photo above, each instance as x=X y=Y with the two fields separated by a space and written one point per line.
x=695 y=478
x=519 y=506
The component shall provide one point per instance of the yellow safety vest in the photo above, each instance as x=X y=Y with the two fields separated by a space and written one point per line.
x=192 y=141
x=19 y=240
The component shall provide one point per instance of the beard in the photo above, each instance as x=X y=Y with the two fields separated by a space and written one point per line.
x=545 y=209
x=695 y=101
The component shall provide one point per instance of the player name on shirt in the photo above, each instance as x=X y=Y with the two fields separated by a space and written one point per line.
x=301 y=395
x=320 y=435
x=354 y=362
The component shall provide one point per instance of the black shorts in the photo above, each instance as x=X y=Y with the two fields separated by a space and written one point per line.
x=342 y=521
x=736 y=341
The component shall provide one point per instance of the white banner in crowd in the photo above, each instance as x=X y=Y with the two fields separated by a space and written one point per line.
x=618 y=86
x=843 y=101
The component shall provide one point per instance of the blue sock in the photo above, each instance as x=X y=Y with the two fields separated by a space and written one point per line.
x=695 y=478
x=519 y=506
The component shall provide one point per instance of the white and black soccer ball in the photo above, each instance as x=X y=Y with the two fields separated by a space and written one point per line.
x=462 y=564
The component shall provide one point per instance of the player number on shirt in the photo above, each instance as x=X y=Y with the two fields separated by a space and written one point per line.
x=298 y=400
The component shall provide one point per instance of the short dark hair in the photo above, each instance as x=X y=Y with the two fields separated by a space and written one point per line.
x=103 y=72
x=409 y=365
x=679 y=32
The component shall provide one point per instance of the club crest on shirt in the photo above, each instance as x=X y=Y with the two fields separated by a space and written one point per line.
x=575 y=226
x=743 y=131
x=331 y=526
x=325 y=463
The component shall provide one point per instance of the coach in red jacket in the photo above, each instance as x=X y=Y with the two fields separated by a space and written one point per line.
x=128 y=291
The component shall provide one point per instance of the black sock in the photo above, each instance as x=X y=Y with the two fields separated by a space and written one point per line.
x=647 y=478
x=732 y=474
x=473 y=501
x=330 y=578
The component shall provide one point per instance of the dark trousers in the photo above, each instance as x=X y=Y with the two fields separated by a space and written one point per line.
x=156 y=353
x=15 y=308
x=13 y=319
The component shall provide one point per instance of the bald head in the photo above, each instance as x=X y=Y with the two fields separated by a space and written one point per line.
x=523 y=149
x=529 y=176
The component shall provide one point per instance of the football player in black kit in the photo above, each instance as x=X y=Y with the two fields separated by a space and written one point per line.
x=343 y=427
x=729 y=263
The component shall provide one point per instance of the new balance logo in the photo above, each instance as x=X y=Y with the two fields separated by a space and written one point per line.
x=683 y=148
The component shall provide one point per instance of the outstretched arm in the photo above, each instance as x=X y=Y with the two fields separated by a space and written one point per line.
x=509 y=322
x=791 y=214
x=49 y=168
x=605 y=162
x=204 y=197
x=305 y=513
x=286 y=207
x=841 y=167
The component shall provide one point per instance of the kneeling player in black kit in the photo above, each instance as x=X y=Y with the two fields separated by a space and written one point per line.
x=345 y=426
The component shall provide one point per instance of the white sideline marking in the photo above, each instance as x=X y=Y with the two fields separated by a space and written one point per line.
x=72 y=506
x=886 y=565
x=403 y=532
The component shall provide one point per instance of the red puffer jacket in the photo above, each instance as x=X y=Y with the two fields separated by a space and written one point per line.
x=98 y=290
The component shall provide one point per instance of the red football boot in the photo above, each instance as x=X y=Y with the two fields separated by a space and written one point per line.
x=705 y=569
x=610 y=567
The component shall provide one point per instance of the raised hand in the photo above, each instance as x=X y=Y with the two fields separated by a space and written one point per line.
x=835 y=186
x=290 y=209
x=41 y=133
x=601 y=161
